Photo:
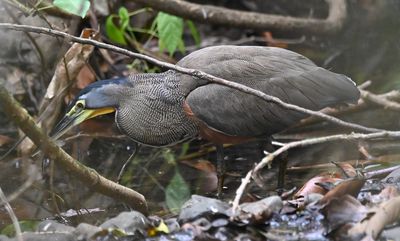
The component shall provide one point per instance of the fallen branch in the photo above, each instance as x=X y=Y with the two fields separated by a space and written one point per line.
x=13 y=217
x=307 y=142
x=192 y=72
x=381 y=100
x=380 y=172
x=87 y=175
x=391 y=96
x=245 y=19
x=312 y=141
x=240 y=191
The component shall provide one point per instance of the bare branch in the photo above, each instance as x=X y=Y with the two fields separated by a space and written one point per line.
x=244 y=19
x=11 y=213
x=307 y=142
x=385 y=171
x=87 y=175
x=380 y=100
x=192 y=72
x=240 y=191
x=318 y=140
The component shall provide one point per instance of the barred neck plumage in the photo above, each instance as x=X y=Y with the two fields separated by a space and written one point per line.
x=150 y=110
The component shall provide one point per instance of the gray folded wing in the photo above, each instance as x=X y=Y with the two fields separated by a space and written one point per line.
x=289 y=76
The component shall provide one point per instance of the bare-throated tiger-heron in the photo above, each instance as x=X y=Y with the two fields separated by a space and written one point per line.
x=167 y=108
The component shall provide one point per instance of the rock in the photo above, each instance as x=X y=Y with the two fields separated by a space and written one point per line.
x=30 y=236
x=198 y=206
x=54 y=226
x=260 y=211
x=130 y=222
x=85 y=231
x=5 y=238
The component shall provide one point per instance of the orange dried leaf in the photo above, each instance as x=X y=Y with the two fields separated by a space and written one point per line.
x=387 y=213
x=311 y=186
x=85 y=77
x=347 y=187
x=5 y=140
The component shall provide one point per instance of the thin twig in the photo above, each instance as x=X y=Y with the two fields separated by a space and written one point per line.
x=192 y=72
x=311 y=141
x=385 y=171
x=87 y=175
x=128 y=162
x=11 y=213
x=240 y=191
x=318 y=140
x=380 y=100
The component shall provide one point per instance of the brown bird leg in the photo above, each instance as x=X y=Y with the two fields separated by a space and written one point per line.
x=282 y=163
x=282 y=166
x=220 y=169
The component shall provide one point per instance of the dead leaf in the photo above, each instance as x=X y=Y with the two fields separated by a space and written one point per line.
x=66 y=71
x=350 y=186
x=386 y=213
x=273 y=42
x=389 y=192
x=5 y=140
x=207 y=180
x=85 y=77
x=340 y=211
x=202 y=165
x=311 y=186
x=348 y=169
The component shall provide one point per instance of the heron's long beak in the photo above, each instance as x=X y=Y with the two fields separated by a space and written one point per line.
x=76 y=116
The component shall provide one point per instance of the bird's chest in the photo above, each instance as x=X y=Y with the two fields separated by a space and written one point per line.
x=155 y=118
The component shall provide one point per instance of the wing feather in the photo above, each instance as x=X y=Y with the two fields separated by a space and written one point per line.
x=277 y=72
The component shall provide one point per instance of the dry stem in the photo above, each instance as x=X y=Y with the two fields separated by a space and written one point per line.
x=87 y=175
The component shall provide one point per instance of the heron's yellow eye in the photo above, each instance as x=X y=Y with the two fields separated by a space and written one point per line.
x=78 y=107
x=80 y=104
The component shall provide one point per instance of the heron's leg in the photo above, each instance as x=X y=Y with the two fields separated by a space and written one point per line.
x=282 y=166
x=220 y=168
x=282 y=162
x=127 y=162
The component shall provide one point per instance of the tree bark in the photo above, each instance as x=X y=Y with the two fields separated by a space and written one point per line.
x=259 y=21
x=87 y=175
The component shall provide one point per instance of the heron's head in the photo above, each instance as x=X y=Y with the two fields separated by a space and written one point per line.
x=99 y=98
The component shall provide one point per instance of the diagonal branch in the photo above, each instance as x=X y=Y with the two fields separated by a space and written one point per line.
x=245 y=19
x=192 y=72
x=306 y=142
x=87 y=175
x=381 y=100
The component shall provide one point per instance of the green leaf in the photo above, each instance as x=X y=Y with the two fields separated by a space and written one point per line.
x=114 y=33
x=25 y=225
x=181 y=46
x=194 y=32
x=169 y=156
x=176 y=193
x=170 y=30
x=185 y=149
x=77 y=7
x=123 y=18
